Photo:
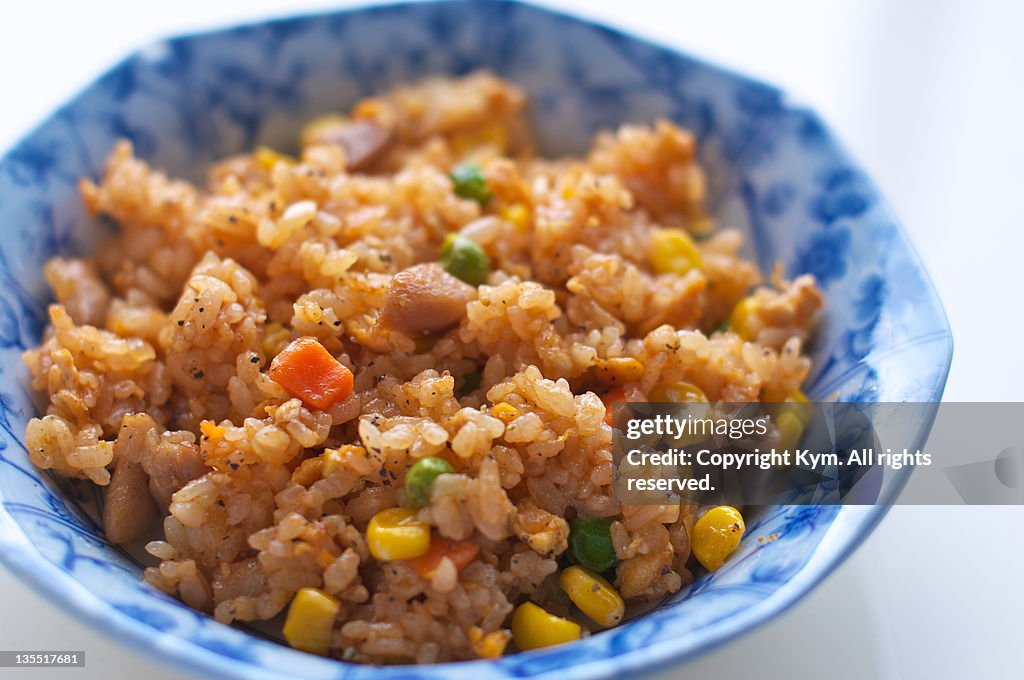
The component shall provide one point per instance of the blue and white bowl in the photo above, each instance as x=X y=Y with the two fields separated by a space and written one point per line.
x=775 y=170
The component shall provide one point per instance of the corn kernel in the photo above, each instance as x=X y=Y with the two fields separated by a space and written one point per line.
x=796 y=403
x=505 y=412
x=475 y=634
x=593 y=595
x=674 y=252
x=518 y=214
x=267 y=158
x=716 y=535
x=396 y=534
x=533 y=628
x=310 y=621
x=678 y=392
x=740 y=322
x=790 y=428
x=275 y=337
x=492 y=645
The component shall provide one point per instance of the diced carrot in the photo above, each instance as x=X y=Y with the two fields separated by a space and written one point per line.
x=459 y=552
x=309 y=372
x=616 y=395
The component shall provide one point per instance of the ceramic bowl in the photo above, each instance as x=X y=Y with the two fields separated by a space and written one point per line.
x=774 y=168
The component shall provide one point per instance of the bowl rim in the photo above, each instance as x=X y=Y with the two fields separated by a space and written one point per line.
x=848 y=529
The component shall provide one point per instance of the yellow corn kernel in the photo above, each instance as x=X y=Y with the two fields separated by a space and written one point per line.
x=624 y=369
x=533 y=628
x=275 y=337
x=593 y=595
x=792 y=416
x=310 y=621
x=505 y=412
x=518 y=214
x=211 y=429
x=790 y=428
x=797 y=405
x=493 y=645
x=680 y=392
x=489 y=646
x=677 y=392
x=716 y=535
x=740 y=321
x=674 y=252
x=308 y=471
x=396 y=534
x=267 y=158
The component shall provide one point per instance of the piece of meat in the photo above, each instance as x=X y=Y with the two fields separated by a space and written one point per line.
x=128 y=508
x=172 y=464
x=364 y=141
x=170 y=459
x=425 y=298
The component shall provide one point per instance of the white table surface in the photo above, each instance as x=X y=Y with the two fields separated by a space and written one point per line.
x=927 y=94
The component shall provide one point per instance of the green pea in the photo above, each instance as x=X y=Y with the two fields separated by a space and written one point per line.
x=421 y=475
x=464 y=259
x=590 y=543
x=470 y=382
x=470 y=182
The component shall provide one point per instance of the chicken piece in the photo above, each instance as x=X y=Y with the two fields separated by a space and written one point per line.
x=128 y=508
x=424 y=298
x=364 y=141
x=170 y=459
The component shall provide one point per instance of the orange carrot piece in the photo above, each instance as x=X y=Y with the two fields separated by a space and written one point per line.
x=309 y=372
x=616 y=395
x=459 y=552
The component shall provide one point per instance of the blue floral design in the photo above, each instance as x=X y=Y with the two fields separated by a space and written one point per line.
x=774 y=172
x=825 y=255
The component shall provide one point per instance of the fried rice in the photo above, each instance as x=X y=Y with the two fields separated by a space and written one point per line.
x=156 y=363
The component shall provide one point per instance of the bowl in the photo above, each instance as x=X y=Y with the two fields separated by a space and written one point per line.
x=774 y=170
